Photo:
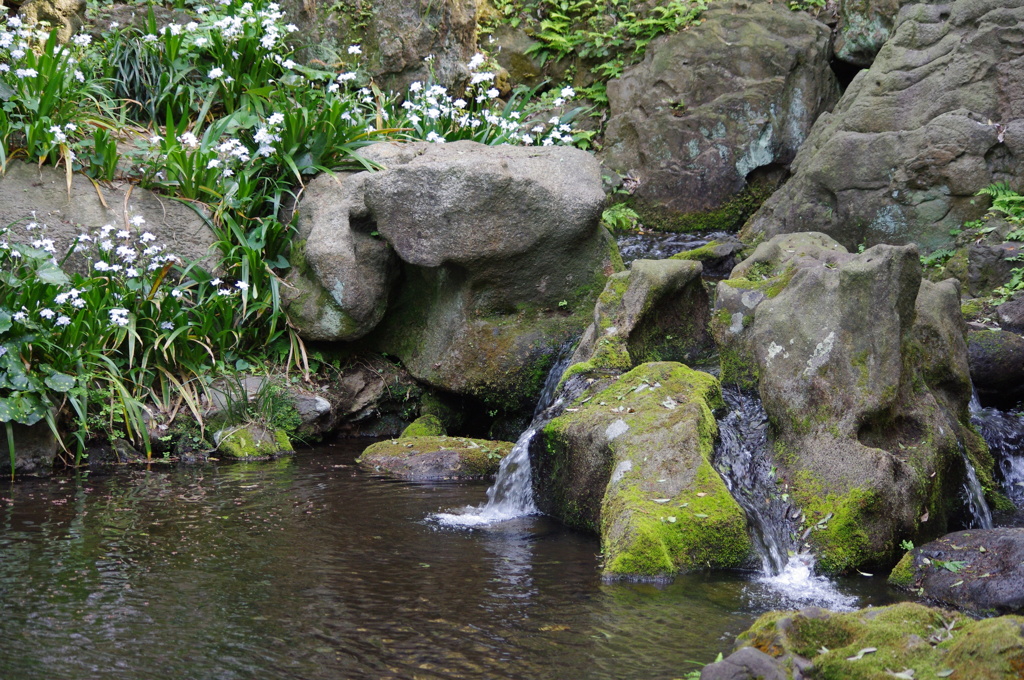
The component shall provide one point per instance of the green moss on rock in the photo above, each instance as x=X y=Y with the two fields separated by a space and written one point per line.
x=902 y=575
x=838 y=537
x=435 y=457
x=425 y=426
x=252 y=442
x=729 y=216
x=932 y=642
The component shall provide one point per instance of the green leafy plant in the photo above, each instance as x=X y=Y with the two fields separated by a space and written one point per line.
x=620 y=217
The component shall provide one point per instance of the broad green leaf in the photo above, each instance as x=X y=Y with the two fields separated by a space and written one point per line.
x=10 y=410
x=5 y=322
x=54 y=275
x=60 y=382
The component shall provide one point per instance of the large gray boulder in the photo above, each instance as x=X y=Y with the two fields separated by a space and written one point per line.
x=402 y=40
x=711 y=108
x=862 y=368
x=40 y=194
x=500 y=256
x=936 y=118
x=67 y=16
x=342 y=274
x=864 y=26
x=630 y=460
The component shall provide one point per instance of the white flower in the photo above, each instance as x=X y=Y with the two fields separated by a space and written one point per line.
x=47 y=313
x=275 y=119
x=106 y=245
x=132 y=271
x=355 y=49
x=459 y=103
x=476 y=61
x=101 y=266
x=26 y=73
x=291 y=28
x=62 y=321
x=527 y=139
x=3 y=350
x=79 y=76
x=214 y=163
x=241 y=285
x=188 y=139
x=333 y=87
x=216 y=282
x=481 y=78
x=118 y=316
x=147 y=237
x=558 y=101
x=82 y=39
x=434 y=137
x=215 y=73
x=78 y=303
x=288 y=63
x=19 y=316
x=126 y=253
x=167 y=326
x=492 y=93
x=568 y=92
x=156 y=139
x=150 y=37
x=176 y=293
x=416 y=87
x=345 y=77
x=224 y=291
x=137 y=221
x=201 y=41
x=124 y=233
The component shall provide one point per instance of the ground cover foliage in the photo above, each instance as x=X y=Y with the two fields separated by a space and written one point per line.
x=213 y=112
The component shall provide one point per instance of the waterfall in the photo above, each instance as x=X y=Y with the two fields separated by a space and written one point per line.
x=1004 y=433
x=511 y=495
x=741 y=457
x=977 y=508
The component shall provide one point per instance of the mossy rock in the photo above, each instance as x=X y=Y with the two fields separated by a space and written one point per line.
x=252 y=442
x=435 y=457
x=425 y=426
x=933 y=643
x=631 y=461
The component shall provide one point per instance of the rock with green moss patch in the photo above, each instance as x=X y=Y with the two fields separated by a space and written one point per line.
x=425 y=426
x=252 y=442
x=979 y=570
x=656 y=311
x=881 y=642
x=630 y=460
x=756 y=78
x=435 y=457
x=718 y=257
x=862 y=368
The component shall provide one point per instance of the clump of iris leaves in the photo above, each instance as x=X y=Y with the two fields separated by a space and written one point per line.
x=99 y=337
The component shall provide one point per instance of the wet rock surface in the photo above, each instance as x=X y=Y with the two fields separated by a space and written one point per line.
x=862 y=369
x=997 y=365
x=980 y=570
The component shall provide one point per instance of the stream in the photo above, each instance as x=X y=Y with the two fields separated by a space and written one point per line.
x=309 y=567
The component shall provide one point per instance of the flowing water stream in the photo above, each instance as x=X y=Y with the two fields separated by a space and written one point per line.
x=1004 y=433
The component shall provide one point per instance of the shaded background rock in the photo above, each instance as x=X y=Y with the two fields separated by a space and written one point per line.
x=711 y=109
x=997 y=366
x=863 y=371
x=67 y=16
x=397 y=37
x=935 y=119
x=35 y=449
x=981 y=570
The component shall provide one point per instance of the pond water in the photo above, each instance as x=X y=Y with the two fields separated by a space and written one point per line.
x=309 y=567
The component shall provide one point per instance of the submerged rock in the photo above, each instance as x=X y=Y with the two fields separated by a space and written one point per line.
x=936 y=118
x=711 y=107
x=424 y=458
x=980 y=570
x=862 y=369
x=252 y=442
x=35 y=449
x=631 y=460
x=882 y=642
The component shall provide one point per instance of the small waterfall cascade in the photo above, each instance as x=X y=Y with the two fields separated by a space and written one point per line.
x=741 y=457
x=1004 y=433
x=511 y=495
x=977 y=508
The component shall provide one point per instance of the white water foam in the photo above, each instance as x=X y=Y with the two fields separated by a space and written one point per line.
x=798 y=586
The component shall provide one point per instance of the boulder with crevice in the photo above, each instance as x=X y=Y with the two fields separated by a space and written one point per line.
x=935 y=118
x=630 y=459
x=713 y=108
x=499 y=253
x=862 y=369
